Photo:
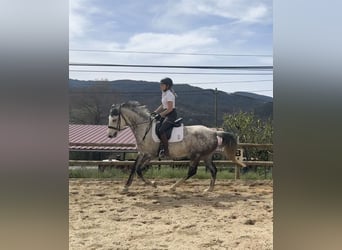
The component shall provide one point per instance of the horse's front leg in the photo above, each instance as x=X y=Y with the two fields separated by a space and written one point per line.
x=133 y=170
x=146 y=159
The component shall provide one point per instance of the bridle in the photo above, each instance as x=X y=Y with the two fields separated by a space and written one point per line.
x=117 y=112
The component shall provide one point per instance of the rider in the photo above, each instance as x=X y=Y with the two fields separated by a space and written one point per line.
x=166 y=112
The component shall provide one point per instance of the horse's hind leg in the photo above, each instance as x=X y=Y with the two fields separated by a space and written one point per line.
x=213 y=170
x=231 y=155
x=191 y=172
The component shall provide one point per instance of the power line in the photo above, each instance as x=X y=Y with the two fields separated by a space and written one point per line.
x=150 y=93
x=224 y=82
x=170 y=53
x=106 y=82
x=161 y=72
x=141 y=92
x=170 y=66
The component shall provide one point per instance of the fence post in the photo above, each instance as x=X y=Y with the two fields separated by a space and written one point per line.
x=237 y=168
x=237 y=172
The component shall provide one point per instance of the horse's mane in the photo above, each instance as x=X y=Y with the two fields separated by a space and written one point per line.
x=137 y=107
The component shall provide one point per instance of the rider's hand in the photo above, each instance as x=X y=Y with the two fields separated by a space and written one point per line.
x=157 y=117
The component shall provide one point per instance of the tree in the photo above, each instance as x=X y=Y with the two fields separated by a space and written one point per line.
x=90 y=104
x=250 y=129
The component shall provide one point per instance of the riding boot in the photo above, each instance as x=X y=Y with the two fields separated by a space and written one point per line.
x=165 y=143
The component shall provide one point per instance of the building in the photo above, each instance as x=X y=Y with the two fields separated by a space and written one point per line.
x=90 y=142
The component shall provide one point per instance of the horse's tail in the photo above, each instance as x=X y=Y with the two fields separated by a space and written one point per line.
x=229 y=143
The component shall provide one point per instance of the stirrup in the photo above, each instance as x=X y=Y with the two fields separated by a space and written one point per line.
x=162 y=155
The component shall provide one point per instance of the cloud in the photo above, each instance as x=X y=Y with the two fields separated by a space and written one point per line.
x=193 y=41
x=255 y=14
x=186 y=26
x=238 y=10
x=80 y=17
x=233 y=24
x=77 y=22
x=169 y=41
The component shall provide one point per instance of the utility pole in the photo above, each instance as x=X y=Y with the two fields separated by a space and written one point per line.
x=215 y=97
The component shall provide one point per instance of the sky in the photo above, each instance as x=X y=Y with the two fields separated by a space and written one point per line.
x=174 y=33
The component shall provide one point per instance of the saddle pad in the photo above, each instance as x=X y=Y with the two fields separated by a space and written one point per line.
x=176 y=135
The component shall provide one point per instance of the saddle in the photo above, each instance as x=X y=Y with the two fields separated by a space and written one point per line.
x=173 y=134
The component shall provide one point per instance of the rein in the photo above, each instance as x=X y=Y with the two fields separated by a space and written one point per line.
x=148 y=129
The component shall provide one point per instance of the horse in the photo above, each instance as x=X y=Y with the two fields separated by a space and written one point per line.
x=199 y=143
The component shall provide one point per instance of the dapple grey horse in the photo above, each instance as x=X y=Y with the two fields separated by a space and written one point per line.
x=199 y=142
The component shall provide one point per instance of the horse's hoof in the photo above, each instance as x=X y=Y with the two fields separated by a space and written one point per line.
x=153 y=184
x=172 y=189
x=207 y=190
x=124 y=190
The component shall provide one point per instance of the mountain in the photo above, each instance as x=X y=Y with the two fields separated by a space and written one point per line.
x=194 y=104
x=255 y=96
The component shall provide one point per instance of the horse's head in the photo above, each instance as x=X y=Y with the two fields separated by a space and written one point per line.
x=128 y=114
x=115 y=121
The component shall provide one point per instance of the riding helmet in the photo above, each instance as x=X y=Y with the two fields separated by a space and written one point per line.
x=167 y=81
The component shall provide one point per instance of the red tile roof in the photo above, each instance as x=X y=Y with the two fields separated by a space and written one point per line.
x=94 y=137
